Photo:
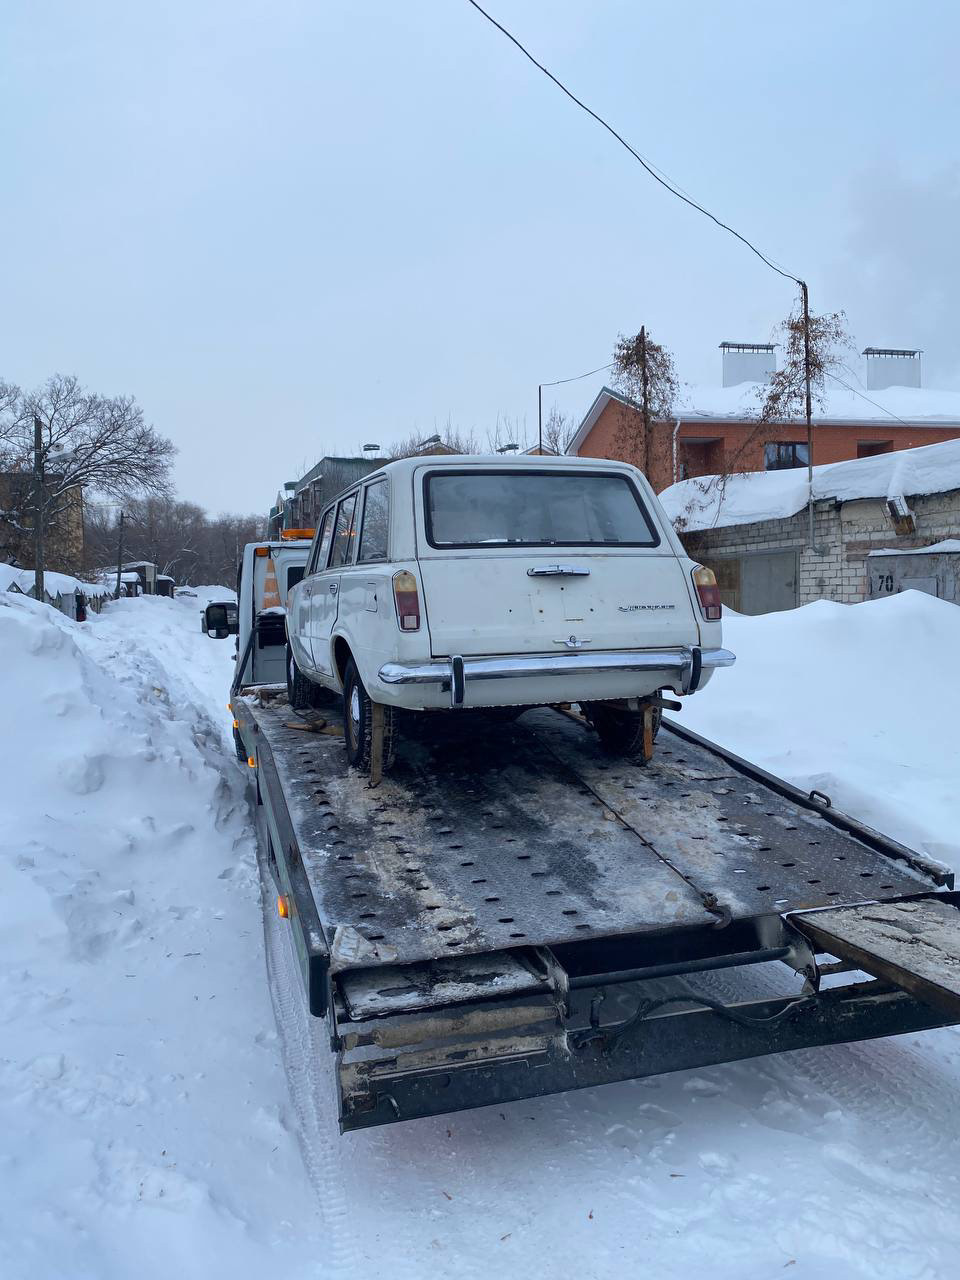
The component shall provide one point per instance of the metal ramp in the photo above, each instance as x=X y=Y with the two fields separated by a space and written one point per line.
x=914 y=945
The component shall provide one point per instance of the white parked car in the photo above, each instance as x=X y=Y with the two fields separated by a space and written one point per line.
x=440 y=583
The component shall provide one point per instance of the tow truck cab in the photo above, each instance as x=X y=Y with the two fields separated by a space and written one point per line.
x=267 y=572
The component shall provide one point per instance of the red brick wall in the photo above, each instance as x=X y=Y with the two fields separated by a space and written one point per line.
x=617 y=432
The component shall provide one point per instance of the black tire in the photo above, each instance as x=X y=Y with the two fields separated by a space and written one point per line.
x=241 y=750
x=620 y=732
x=301 y=692
x=358 y=722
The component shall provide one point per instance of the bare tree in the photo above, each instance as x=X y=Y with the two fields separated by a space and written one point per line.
x=783 y=397
x=72 y=440
x=782 y=400
x=645 y=374
x=559 y=430
x=448 y=439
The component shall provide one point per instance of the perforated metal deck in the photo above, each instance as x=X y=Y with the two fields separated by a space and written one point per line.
x=488 y=837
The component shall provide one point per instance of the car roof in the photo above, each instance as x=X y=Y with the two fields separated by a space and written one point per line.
x=511 y=462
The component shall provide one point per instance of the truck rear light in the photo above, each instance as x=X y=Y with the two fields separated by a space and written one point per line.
x=407 y=599
x=708 y=593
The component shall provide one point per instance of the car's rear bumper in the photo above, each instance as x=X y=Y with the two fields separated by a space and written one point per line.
x=685 y=666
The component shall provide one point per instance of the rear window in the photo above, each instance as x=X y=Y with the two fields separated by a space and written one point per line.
x=535 y=509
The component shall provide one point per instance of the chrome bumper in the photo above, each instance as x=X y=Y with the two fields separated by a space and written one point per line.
x=455 y=673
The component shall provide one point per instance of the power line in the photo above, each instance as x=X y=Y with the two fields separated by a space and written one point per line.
x=650 y=168
x=560 y=381
x=876 y=405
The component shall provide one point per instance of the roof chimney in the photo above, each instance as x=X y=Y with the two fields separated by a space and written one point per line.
x=892 y=367
x=747 y=362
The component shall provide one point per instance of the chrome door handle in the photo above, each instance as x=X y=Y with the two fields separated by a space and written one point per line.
x=334 y=588
x=557 y=571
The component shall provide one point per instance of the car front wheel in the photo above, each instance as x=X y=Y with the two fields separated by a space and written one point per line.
x=358 y=716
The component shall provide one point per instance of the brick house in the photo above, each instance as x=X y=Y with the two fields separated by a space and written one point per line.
x=713 y=431
x=752 y=530
x=63 y=539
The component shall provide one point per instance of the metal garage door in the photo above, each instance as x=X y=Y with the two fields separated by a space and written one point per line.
x=768 y=581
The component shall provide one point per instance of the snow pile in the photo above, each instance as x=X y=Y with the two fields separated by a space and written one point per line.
x=709 y=502
x=54 y=584
x=143 y=1109
x=833 y=697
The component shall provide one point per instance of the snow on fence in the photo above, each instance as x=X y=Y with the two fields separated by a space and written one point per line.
x=59 y=589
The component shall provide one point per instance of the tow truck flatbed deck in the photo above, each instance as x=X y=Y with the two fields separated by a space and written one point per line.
x=461 y=924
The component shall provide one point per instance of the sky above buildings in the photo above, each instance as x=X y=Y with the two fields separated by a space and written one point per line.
x=292 y=228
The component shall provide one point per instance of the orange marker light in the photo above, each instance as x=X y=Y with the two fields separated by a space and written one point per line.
x=236 y=724
x=283 y=908
x=251 y=762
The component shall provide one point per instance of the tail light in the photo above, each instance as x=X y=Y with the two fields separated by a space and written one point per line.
x=708 y=593
x=407 y=599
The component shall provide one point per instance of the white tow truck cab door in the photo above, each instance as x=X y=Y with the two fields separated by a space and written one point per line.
x=525 y=561
x=269 y=571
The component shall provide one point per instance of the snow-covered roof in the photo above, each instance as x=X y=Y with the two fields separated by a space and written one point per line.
x=54 y=584
x=842 y=406
x=935 y=549
x=709 y=502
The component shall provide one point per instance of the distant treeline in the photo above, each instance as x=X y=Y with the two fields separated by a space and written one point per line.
x=180 y=538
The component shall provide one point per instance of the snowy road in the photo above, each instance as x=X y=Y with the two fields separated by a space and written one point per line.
x=148 y=1128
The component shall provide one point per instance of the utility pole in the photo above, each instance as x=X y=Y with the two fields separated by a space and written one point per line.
x=540 y=417
x=116 y=594
x=38 y=507
x=645 y=400
x=808 y=410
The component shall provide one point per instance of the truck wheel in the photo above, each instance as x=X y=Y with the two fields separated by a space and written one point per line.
x=620 y=732
x=358 y=722
x=301 y=692
x=241 y=750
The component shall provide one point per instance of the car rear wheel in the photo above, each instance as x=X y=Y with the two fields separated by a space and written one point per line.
x=358 y=713
x=620 y=731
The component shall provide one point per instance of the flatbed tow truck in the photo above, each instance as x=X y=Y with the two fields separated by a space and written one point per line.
x=488 y=923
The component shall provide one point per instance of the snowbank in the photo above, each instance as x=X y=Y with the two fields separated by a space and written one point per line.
x=143 y=1107
x=708 y=502
x=833 y=697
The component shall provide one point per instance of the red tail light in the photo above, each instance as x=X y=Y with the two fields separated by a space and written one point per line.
x=708 y=593
x=407 y=599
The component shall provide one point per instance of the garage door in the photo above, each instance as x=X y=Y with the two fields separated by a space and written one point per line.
x=768 y=581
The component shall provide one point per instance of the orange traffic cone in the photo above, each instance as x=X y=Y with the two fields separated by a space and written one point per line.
x=271 y=596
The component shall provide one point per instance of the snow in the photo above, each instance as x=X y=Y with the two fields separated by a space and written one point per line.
x=935 y=548
x=918 y=406
x=708 y=502
x=149 y=1128
x=54 y=584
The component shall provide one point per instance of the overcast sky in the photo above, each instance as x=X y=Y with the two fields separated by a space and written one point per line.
x=290 y=228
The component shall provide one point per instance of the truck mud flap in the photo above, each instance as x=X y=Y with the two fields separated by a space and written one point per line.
x=913 y=944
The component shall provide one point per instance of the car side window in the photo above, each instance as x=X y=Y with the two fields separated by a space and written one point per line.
x=318 y=558
x=373 y=531
x=343 y=534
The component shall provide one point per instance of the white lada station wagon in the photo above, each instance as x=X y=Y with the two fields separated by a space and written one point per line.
x=442 y=583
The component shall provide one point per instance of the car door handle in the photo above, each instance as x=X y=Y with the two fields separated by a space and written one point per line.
x=557 y=571
x=334 y=588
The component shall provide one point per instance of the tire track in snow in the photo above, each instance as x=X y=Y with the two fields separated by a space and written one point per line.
x=308 y=1061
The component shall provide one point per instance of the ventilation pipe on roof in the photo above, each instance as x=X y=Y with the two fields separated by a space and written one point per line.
x=892 y=367
x=748 y=362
